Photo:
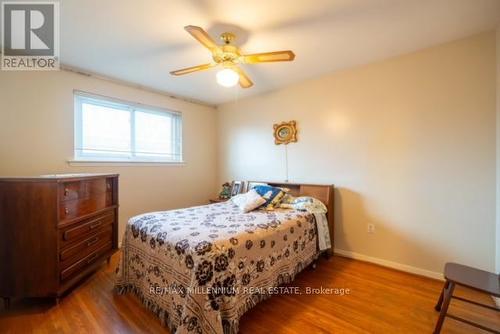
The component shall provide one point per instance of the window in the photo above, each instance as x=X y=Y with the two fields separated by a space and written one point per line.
x=111 y=130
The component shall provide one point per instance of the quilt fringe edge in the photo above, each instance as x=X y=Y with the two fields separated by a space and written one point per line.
x=161 y=313
x=232 y=326
x=228 y=326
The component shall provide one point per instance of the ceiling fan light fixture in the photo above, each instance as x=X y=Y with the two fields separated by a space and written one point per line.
x=227 y=77
x=230 y=57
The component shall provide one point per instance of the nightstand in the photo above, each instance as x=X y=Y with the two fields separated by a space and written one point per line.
x=217 y=200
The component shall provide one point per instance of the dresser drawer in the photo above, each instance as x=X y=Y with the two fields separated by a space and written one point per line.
x=84 y=189
x=86 y=228
x=86 y=261
x=86 y=246
x=80 y=207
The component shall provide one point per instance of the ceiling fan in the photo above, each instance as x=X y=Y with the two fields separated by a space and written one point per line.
x=229 y=57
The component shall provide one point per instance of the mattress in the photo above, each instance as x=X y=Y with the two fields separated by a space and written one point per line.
x=199 y=269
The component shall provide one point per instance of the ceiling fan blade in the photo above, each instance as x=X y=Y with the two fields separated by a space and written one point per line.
x=202 y=36
x=245 y=81
x=192 y=69
x=268 y=57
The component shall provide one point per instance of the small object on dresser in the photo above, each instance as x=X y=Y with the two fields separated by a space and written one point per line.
x=225 y=193
x=55 y=230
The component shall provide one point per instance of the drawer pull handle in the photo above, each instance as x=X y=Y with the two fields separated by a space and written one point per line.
x=66 y=191
x=92 y=242
x=97 y=223
x=108 y=186
x=92 y=258
x=94 y=226
x=66 y=210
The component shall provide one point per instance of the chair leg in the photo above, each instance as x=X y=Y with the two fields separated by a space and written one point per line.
x=440 y=301
x=447 y=293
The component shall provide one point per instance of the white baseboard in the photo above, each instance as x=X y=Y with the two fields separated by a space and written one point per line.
x=390 y=264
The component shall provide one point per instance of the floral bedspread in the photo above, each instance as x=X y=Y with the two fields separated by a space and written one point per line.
x=199 y=269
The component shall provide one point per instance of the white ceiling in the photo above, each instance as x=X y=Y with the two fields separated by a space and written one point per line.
x=141 y=41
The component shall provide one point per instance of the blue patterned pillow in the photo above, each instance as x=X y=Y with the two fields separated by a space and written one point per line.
x=272 y=195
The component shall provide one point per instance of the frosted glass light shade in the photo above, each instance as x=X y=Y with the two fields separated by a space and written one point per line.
x=227 y=77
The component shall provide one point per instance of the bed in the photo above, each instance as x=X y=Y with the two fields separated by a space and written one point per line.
x=200 y=269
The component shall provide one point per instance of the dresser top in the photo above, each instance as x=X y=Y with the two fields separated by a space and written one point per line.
x=57 y=177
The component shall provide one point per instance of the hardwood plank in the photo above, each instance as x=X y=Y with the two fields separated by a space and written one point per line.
x=381 y=300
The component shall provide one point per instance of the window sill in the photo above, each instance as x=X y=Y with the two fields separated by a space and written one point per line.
x=139 y=163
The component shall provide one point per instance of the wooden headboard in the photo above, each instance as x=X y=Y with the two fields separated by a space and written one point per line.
x=323 y=192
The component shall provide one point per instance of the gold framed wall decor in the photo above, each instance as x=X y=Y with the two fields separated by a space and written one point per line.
x=285 y=133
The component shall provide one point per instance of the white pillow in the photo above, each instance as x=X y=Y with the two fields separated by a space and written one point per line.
x=248 y=201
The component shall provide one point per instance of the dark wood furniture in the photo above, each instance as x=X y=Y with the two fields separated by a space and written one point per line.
x=323 y=192
x=54 y=230
x=217 y=200
x=479 y=280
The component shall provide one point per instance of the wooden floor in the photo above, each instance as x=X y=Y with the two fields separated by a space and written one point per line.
x=381 y=300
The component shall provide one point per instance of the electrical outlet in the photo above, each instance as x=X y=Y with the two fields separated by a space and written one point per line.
x=371 y=228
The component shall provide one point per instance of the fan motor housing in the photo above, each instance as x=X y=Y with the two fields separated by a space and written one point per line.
x=230 y=53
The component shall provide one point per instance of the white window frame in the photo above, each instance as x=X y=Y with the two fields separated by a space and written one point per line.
x=128 y=157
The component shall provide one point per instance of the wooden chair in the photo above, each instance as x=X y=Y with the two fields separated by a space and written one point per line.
x=479 y=280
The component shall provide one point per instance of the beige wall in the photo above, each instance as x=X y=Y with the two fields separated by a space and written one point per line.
x=408 y=142
x=36 y=137
x=498 y=156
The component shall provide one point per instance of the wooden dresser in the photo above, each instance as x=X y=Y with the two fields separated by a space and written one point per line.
x=54 y=230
